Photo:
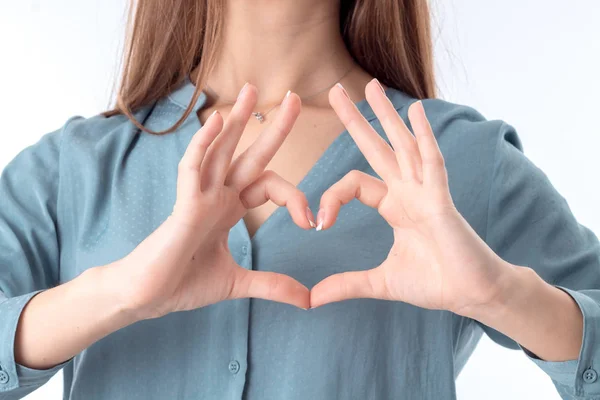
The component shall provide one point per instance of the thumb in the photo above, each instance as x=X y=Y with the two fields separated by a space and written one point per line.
x=349 y=285
x=270 y=286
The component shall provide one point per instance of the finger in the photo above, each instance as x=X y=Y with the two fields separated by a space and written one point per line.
x=434 y=170
x=349 y=285
x=376 y=150
x=253 y=161
x=191 y=163
x=354 y=185
x=270 y=286
x=218 y=159
x=403 y=142
x=270 y=186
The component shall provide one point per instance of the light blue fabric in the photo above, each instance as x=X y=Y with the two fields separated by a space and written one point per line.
x=88 y=193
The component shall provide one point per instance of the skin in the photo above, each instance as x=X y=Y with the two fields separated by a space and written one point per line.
x=233 y=166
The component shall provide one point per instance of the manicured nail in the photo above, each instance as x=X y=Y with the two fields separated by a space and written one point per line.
x=379 y=84
x=320 y=219
x=311 y=218
x=420 y=105
x=243 y=90
x=343 y=90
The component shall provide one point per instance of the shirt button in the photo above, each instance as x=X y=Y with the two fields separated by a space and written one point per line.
x=234 y=367
x=244 y=249
x=3 y=377
x=590 y=375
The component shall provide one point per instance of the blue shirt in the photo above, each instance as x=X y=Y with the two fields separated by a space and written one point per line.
x=88 y=193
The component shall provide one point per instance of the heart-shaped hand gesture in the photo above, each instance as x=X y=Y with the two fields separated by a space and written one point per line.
x=437 y=261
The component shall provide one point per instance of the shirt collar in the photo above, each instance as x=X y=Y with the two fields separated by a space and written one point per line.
x=182 y=95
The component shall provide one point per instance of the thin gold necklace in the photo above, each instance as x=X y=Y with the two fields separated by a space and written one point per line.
x=260 y=116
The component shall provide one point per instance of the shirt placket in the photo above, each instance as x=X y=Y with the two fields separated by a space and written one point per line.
x=237 y=364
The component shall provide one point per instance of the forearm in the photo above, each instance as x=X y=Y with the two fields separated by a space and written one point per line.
x=60 y=322
x=540 y=317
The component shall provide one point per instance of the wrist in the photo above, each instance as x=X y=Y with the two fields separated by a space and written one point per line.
x=540 y=317
x=510 y=290
x=109 y=289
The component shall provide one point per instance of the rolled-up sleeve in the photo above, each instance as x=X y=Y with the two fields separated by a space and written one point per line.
x=579 y=377
x=530 y=224
x=29 y=250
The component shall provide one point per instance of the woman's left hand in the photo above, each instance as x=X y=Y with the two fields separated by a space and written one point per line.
x=437 y=260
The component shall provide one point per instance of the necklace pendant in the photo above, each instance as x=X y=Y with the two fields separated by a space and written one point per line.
x=260 y=117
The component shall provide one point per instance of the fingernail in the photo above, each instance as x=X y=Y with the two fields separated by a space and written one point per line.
x=343 y=90
x=213 y=113
x=420 y=105
x=311 y=218
x=379 y=84
x=320 y=219
x=287 y=94
x=243 y=90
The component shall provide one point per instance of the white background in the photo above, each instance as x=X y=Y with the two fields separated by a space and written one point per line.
x=533 y=63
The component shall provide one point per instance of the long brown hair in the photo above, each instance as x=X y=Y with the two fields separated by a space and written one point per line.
x=168 y=39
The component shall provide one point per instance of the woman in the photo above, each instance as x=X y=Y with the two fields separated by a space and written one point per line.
x=143 y=257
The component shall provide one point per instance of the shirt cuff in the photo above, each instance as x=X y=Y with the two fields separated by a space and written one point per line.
x=13 y=375
x=579 y=377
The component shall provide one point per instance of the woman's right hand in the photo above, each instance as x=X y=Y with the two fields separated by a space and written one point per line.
x=186 y=263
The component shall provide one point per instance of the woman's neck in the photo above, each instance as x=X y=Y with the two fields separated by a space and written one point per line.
x=280 y=46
